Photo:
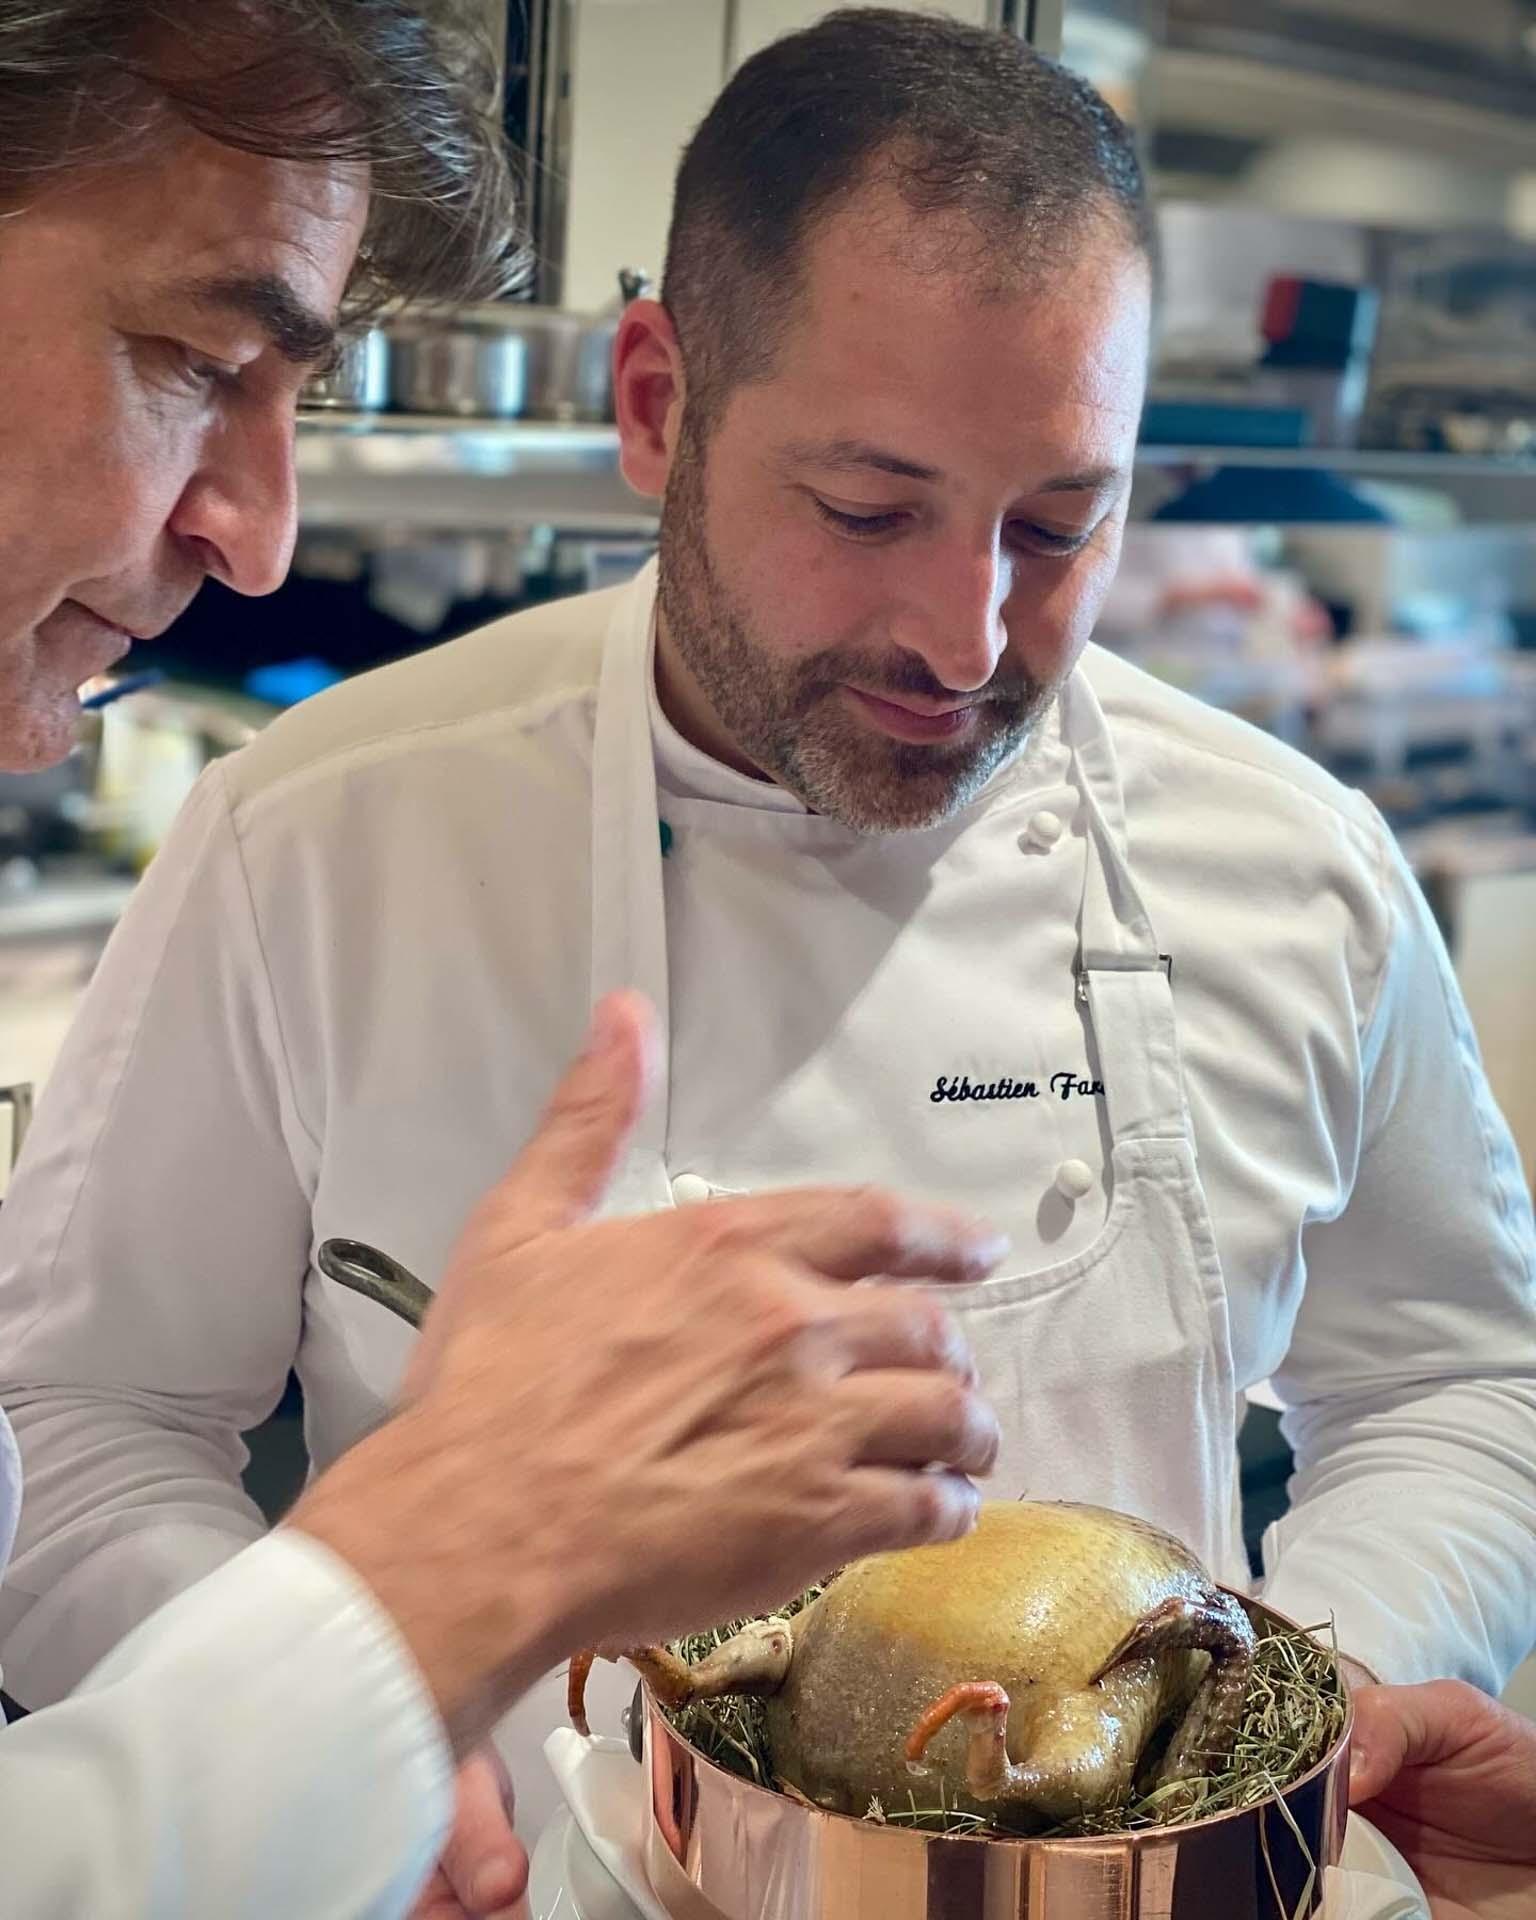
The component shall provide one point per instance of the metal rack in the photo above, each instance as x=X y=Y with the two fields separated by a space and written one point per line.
x=420 y=473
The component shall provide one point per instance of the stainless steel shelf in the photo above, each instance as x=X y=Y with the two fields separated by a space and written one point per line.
x=1447 y=470
x=416 y=472
x=1487 y=490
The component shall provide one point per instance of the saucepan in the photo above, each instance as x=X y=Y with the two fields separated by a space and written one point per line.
x=507 y=359
x=359 y=380
x=473 y=364
x=718 y=1847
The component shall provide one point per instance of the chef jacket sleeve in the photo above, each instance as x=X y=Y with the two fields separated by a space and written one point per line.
x=1410 y=1384
x=264 y=1745
x=152 y=1251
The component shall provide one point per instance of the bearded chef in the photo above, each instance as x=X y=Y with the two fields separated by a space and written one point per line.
x=929 y=890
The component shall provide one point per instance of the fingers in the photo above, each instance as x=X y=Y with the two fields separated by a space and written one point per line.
x=916 y=1419
x=437 y=1900
x=888 y=1509
x=853 y=1233
x=563 y=1172
x=483 y=1863
x=880 y=1327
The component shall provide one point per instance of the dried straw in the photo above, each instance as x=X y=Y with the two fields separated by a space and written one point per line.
x=1293 y=1715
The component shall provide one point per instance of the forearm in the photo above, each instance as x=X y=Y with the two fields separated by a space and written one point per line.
x=390 y=1509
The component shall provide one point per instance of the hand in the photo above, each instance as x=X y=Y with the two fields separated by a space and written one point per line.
x=619 y=1431
x=1449 y=1776
x=484 y=1870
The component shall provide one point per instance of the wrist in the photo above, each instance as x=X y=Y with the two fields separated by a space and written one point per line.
x=481 y=1631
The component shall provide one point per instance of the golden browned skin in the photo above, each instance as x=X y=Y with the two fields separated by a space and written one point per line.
x=1038 y=1599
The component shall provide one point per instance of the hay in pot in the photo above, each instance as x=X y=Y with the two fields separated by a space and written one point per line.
x=1293 y=1715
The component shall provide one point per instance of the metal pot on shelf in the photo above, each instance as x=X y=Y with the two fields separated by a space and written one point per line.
x=572 y=356
x=473 y=365
x=508 y=360
x=359 y=381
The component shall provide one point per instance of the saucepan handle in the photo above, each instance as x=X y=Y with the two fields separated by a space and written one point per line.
x=19 y=1100
x=351 y=1263
x=634 y=1724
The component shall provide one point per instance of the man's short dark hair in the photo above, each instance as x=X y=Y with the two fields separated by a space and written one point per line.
x=957 y=118
x=401 y=86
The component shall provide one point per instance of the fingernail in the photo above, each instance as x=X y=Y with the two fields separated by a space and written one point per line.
x=967 y=1508
x=986 y=1248
x=1356 y=1766
x=493 y=1884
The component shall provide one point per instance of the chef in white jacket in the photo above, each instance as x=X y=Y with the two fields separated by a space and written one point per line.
x=927 y=888
x=280 y=1738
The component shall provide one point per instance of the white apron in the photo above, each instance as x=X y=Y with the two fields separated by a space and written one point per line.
x=1111 y=1371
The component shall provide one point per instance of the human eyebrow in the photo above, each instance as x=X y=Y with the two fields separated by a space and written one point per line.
x=856 y=455
x=852 y=455
x=1091 y=480
x=302 y=336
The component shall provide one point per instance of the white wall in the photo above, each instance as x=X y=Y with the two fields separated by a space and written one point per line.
x=1380 y=185
x=645 y=73
x=759 y=21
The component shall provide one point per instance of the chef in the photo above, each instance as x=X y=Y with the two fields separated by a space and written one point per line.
x=279 y=1739
x=928 y=889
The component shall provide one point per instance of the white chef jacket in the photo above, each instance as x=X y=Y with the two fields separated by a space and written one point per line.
x=362 y=959
x=262 y=1745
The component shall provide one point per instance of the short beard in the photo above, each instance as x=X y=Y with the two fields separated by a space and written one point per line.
x=787 y=718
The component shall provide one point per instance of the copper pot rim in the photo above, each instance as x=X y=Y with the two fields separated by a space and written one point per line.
x=1024 y=1843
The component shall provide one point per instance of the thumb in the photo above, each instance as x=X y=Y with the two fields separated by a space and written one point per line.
x=564 y=1171
x=483 y=1864
x=1389 y=1735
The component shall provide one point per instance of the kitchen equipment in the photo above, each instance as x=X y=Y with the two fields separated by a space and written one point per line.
x=473 y=364
x=571 y=355
x=1320 y=335
x=508 y=359
x=19 y=1099
x=351 y=1263
x=720 y=1848
x=359 y=381
x=590 y=1864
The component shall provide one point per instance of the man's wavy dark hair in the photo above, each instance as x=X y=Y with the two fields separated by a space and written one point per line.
x=404 y=87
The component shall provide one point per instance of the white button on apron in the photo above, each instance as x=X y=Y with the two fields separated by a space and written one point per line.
x=1074 y=1178
x=1044 y=830
x=688 y=1189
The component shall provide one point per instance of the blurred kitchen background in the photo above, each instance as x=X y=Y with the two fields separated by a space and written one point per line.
x=1335 y=512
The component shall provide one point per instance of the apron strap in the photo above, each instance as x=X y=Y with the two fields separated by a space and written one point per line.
x=1122 y=979
x=1133 y=1022
x=629 y=914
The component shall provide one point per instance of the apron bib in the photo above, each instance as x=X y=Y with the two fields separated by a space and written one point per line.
x=1111 y=1372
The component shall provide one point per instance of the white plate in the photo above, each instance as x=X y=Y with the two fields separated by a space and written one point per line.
x=567 y=1881
x=1367 y=1851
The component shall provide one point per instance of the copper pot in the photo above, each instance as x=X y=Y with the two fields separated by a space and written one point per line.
x=719 y=1848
